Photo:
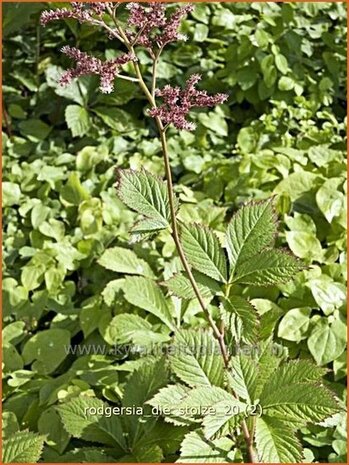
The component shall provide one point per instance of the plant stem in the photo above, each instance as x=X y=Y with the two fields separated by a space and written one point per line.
x=219 y=335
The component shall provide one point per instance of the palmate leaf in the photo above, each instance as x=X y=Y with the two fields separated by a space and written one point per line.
x=124 y=261
x=240 y=318
x=180 y=286
x=203 y=251
x=22 y=447
x=196 y=358
x=250 y=230
x=147 y=195
x=146 y=294
x=196 y=449
x=267 y=268
x=276 y=443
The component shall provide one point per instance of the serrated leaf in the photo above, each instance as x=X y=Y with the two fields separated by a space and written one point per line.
x=242 y=377
x=167 y=401
x=124 y=261
x=276 y=443
x=180 y=286
x=294 y=393
x=240 y=318
x=23 y=447
x=267 y=268
x=250 y=230
x=203 y=251
x=146 y=294
x=197 y=359
x=147 y=195
x=196 y=449
x=81 y=420
x=78 y=120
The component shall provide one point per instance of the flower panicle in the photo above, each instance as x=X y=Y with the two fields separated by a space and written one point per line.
x=86 y=64
x=82 y=12
x=177 y=103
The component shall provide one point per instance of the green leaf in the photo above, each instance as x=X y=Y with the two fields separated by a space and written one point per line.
x=11 y=194
x=293 y=394
x=276 y=443
x=32 y=276
x=267 y=268
x=297 y=184
x=328 y=294
x=78 y=120
x=240 y=318
x=281 y=63
x=115 y=118
x=330 y=200
x=203 y=251
x=251 y=229
x=197 y=359
x=47 y=349
x=35 y=129
x=180 y=285
x=304 y=245
x=125 y=328
x=73 y=193
x=327 y=341
x=286 y=83
x=243 y=376
x=50 y=425
x=146 y=294
x=10 y=425
x=81 y=420
x=294 y=325
x=124 y=261
x=23 y=447
x=168 y=400
x=148 y=196
x=196 y=449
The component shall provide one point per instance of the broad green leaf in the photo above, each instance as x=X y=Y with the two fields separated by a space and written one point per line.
x=294 y=325
x=78 y=120
x=240 y=318
x=304 y=245
x=242 y=377
x=83 y=418
x=124 y=261
x=276 y=443
x=286 y=83
x=167 y=402
x=297 y=184
x=22 y=447
x=180 y=286
x=11 y=194
x=115 y=118
x=12 y=361
x=147 y=195
x=10 y=425
x=196 y=449
x=328 y=294
x=47 y=349
x=50 y=425
x=327 y=341
x=35 y=129
x=330 y=200
x=196 y=358
x=146 y=294
x=203 y=251
x=251 y=229
x=267 y=268
x=73 y=193
x=281 y=63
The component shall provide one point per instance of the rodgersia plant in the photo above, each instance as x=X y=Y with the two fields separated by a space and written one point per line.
x=225 y=392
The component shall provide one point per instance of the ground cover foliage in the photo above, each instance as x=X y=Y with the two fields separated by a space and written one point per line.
x=79 y=283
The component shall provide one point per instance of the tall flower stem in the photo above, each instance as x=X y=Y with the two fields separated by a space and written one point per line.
x=219 y=335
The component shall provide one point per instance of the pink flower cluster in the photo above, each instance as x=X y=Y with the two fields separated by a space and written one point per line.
x=80 y=11
x=154 y=28
x=177 y=103
x=86 y=64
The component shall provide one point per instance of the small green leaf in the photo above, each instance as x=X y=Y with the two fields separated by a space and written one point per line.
x=78 y=120
x=50 y=425
x=294 y=325
x=203 y=251
x=267 y=268
x=180 y=285
x=281 y=63
x=11 y=194
x=327 y=341
x=73 y=193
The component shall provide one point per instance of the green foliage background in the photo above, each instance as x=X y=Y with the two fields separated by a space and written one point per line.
x=281 y=132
